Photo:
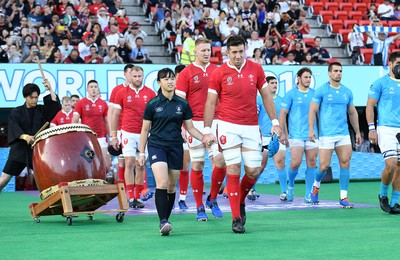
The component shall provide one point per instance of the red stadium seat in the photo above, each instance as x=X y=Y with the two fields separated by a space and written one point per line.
x=356 y=15
x=346 y=7
x=349 y=24
x=343 y=33
x=307 y=2
x=366 y=55
x=309 y=42
x=334 y=26
x=324 y=17
x=341 y=15
x=362 y=7
x=352 y=1
x=364 y=22
x=332 y=6
x=394 y=23
x=316 y=7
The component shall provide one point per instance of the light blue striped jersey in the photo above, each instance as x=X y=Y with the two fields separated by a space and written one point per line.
x=297 y=103
x=386 y=91
x=263 y=119
x=333 y=104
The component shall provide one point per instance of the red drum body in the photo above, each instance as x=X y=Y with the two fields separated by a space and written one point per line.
x=67 y=153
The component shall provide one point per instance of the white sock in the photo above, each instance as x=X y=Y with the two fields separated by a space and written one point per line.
x=317 y=184
x=182 y=197
x=343 y=194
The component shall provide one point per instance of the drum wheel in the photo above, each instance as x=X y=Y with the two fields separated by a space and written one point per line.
x=37 y=220
x=69 y=220
x=120 y=217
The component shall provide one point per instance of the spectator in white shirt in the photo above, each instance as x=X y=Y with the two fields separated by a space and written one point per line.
x=385 y=11
x=290 y=59
x=253 y=43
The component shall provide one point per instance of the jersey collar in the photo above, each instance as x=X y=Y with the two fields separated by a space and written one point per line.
x=200 y=67
x=136 y=91
x=234 y=67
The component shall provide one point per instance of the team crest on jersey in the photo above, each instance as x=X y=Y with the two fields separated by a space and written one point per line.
x=391 y=91
x=159 y=109
x=190 y=139
x=299 y=100
x=145 y=98
x=222 y=139
x=196 y=79
x=229 y=80
x=178 y=110
x=330 y=97
x=251 y=76
x=87 y=107
x=129 y=99
x=61 y=120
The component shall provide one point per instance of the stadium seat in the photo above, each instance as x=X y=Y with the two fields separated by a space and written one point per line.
x=316 y=7
x=362 y=7
x=346 y=7
x=364 y=22
x=341 y=15
x=334 y=26
x=310 y=42
x=394 y=23
x=324 y=17
x=332 y=6
x=342 y=36
x=366 y=56
x=307 y=2
x=348 y=24
x=356 y=15
x=178 y=52
x=217 y=53
x=352 y=1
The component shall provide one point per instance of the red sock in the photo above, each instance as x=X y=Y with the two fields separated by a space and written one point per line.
x=245 y=186
x=144 y=179
x=121 y=173
x=197 y=181
x=130 y=189
x=217 y=178
x=233 y=187
x=183 y=182
x=138 y=190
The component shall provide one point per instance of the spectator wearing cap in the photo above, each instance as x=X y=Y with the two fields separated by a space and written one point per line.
x=295 y=10
x=34 y=55
x=187 y=55
x=214 y=10
x=134 y=32
x=140 y=54
x=114 y=35
x=93 y=57
x=187 y=15
x=36 y=18
x=76 y=30
x=84 y=47
x=74 y=58
x=124 y=50
x=65 y=48
x=212 y=33
x=253 y=43
x=113 y=56
x=122 y=20
x=229 y=30
x=103 y=17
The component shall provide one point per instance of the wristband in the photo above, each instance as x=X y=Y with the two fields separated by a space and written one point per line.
x=371 y=127
x=275 y=122
x=24 y=137
x=142 y=154
x=207 y=130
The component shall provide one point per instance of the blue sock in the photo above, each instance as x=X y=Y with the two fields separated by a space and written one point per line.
x=282 y=175
x=309 y=178
x=395 y=198
x=344 y=178
x=384 y=190
x=292 y=176
x=319 y=175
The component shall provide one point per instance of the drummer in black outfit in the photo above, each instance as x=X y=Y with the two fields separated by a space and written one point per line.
x=163 y=118
x=23 y=124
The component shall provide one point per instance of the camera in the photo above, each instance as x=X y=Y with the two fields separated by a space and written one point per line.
x=36 y=52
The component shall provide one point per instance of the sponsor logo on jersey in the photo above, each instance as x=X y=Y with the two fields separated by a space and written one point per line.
x=178 y=110
x=159 y=109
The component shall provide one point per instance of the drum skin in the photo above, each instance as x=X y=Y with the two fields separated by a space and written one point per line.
x=67 y=157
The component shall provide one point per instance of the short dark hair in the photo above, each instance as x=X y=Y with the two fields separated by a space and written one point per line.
x=75 y=96
x=180 y=67
x=165 y=73
x=317 y=37
x=138 y=38
x=334 y=64
x=235 y=40
x=29 y=89
x=92 y=81
x=269 y=78
x=128 y=66
x=302 y=71
x=394 y=55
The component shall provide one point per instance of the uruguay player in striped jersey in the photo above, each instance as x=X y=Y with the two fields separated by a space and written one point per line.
x=296 y=105
x=265 y=127
x=385 y=92
x=333 y=102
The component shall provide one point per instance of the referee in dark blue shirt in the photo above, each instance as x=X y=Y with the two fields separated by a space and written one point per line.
x=162 y=119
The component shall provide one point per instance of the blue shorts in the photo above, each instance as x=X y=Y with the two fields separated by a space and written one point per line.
x=172 y=155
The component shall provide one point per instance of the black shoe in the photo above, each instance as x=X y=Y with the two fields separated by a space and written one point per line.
x=395 y=209
x=136 y=204
x=243 y=213
x=384 y=203
x=165 y=228
x=237 y=226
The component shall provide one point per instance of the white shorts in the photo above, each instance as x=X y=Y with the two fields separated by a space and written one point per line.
x=330 y=142
x=266 y=140
x=199 y=125
x=307 y=145
x=131 y=144
x=230 y=135
x=103 y=142
x=388 y=142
